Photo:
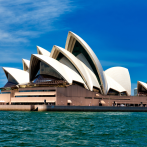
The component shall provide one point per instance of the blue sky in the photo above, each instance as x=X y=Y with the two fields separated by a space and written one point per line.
x=116 y=31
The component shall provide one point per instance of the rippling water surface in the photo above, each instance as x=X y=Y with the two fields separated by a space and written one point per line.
x=73 y=129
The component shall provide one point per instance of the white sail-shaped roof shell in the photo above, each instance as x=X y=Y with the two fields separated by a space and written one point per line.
x=71 y=39
x=120 y=75
x=142 y=83
x=26 y=64
x=20 y=76
x=139 y=83
x=68 y=74
x=42 y=51
x=112 y=84
x=87 y=75
x=82 y=58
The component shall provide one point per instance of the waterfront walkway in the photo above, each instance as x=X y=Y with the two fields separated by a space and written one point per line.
x=71 y=108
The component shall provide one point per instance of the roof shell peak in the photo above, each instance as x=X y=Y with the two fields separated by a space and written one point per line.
x=26 y=64
x=42 y=51
x=72 y=39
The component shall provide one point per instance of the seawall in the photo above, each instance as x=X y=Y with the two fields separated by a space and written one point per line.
x=71 y=108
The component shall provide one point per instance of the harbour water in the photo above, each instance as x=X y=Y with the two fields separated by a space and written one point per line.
x=73 y=128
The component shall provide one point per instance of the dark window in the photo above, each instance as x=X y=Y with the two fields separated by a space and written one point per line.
x=95 y=89
x=97 y=98
x=48 y=70
x=11 y=79
x=113 y=92
x=44 y=79
x=123 y=94
x=88 y=97
x=10 y=84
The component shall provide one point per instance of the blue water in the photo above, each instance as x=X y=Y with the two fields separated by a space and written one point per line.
x=73 y=129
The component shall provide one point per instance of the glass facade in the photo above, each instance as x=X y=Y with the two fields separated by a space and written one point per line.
x=113 y=92
x=45 y=79
x=123 y=94
x=11 y=79
x=48 y=70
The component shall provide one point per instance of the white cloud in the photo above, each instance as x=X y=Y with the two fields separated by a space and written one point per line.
x=23 y=19
x=11 y=37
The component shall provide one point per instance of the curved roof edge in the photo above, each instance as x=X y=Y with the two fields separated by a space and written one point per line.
x=26 y=64
x=83 y=70
x=142 y=84
x=112 y=84
x=20 y=76
x=120 y=75
x=67 y=74
x=92 y=55
x=42 y=51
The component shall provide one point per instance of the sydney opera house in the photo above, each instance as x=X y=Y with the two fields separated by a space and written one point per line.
x=71 y=76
